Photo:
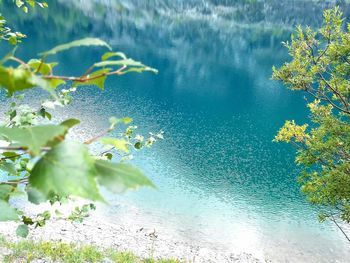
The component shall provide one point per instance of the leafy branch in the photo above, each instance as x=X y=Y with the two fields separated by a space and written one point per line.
x=320 y=67
x=49 y=166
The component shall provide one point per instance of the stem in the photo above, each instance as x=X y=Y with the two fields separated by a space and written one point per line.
x=84 y=78
x=98 y=136
x=16 y=182
x=11 y=157
x=335 y=91
x=19 y=148
x=107 y=151
x=339 y=227
x=20 y=62
x=40 y=65
x=88 y=71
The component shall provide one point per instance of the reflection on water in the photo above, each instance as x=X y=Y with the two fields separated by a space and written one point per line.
x=220 y=178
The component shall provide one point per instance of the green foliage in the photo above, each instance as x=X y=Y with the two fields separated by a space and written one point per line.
x=320 y=66
x=26 y=4
x=79 y=213
x=5 y=32
x=37 y=159
x=68 y=253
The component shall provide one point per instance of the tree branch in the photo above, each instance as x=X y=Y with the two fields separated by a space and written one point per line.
x=85 y=78
x=98 y=136
x=339 y=227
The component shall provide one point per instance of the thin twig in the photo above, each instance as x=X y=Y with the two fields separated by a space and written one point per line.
x=340 y=228
x=16 y=182
x=107 y=151
x=86 y=79
x=98 y=136
x=13 y=156
x=20 y=62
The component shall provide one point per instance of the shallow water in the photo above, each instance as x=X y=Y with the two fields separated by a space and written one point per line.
x=220 y=178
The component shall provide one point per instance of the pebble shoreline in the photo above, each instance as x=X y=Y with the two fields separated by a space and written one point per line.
x=143 y=237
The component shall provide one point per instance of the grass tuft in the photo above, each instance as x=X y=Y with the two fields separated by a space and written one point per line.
x=30 y=251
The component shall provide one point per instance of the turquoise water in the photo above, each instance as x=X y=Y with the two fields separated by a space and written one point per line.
x=220 y=178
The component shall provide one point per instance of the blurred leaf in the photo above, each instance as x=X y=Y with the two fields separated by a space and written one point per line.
x=5 y=191
x=40 y=66
x=69 y=123
x=67 y=169
x=33 y=138
x=126 y=120
x=7 y=212
x=119 y=144
x=19 y=3
x=119 y=177
x=35 y=197
x=54 y=83
x=8 y=167
x=22 y=231
x=15 y=79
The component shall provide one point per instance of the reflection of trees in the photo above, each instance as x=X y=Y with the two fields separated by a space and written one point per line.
x=242 y=32
x=278 y=12
x=180 y=29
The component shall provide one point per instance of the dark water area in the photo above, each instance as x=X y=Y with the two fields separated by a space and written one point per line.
x=219 y=175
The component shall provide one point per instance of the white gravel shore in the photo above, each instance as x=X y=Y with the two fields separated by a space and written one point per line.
x=127 y=229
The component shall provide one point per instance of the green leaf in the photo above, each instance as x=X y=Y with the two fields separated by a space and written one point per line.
x=76 y=43
x=54 y=83
x=22 y=231
x=43 y=113
x=40 y=82
x=13 y=40
x=31 y=2
x=119 y=177
x=7 y=212
x=69 y=123
x=126 y=120
x=15 y=79
x=42 y=4
x=108 y=55
x=119 y=144
x=99 y=82
x=32 y=138
x=19 y=3
x=109 y=156
x=8 y=167
x=67 y=169
x=140 y=70
x=40 y=66
x=122 y=62
x=5 y=191
x=18 y=79
x=35 y=197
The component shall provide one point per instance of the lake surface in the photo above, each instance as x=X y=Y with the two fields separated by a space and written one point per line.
x=220 y=178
